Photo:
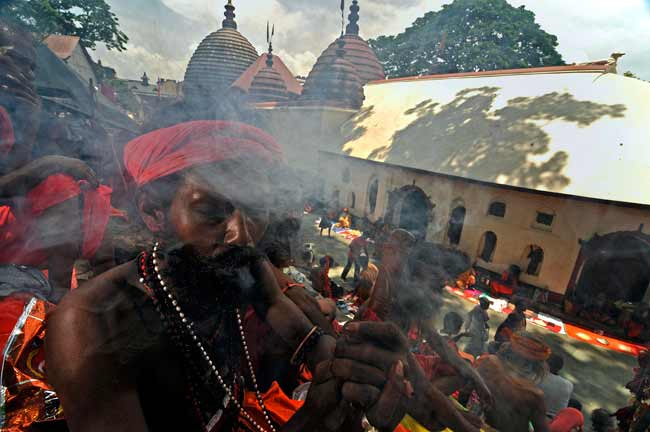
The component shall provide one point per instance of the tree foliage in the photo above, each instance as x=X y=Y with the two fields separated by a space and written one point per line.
x=468 y=36
x=91 y=20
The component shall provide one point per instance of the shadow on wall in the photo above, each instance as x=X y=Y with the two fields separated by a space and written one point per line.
x=466 y=137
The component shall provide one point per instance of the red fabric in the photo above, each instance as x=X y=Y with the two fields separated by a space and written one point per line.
x=170 y=150
x=279 y=406
x=566 y=420
x=7 y=137
x=16 y=246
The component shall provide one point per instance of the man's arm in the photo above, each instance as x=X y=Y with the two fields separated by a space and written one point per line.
x=539 y=420
x=97 y=394
x=450 y=356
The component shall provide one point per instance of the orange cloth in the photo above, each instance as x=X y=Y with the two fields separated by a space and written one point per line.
x=566 y=420
x=279 y=406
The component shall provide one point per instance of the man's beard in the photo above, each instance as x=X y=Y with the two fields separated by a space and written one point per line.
x=209 y=285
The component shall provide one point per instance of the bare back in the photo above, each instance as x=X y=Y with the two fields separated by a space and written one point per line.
x=518 y=402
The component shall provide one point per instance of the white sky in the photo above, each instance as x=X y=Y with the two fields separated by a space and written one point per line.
x=164 y=33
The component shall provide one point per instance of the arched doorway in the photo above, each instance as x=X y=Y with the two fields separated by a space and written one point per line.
x=456 y=224
x=616 y=266
x=533 y=258
x=488 y=246
x=414 y=212
x=335 y=203
x=373 y=190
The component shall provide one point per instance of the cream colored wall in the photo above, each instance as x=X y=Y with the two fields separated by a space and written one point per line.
x=79 y=63
x=574 y=219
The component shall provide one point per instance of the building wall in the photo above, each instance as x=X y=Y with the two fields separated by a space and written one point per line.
x=574 y=219
x=79 y=63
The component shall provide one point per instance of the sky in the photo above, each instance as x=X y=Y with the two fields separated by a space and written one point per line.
x=164 y=33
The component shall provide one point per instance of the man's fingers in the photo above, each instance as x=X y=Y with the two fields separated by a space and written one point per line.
x=389 y=409
x=361 y=395
x=385 y=334
x=350 y=370
x=336 y=417
x=367 y=354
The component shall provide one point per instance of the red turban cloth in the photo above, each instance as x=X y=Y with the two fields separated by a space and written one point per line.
x=567 y=420
x=173 y=149
x=17 y=248
x=529 y=348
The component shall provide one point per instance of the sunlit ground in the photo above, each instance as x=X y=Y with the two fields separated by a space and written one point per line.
x=599 y=375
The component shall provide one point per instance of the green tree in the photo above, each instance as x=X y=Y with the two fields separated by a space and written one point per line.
x=468 y=36
x=91 y=20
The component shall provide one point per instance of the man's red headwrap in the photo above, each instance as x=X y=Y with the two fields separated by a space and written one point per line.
x=170 y=150
x=530 y=348
x=16 y=248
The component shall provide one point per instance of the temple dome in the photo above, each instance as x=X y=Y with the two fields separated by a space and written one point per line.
x=219 y=59
x=268 y=85
x=357 y=50
x=334 y=82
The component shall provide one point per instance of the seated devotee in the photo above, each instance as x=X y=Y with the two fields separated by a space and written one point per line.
x=512 y=376
x=159 y=342
x=557 y=390
x=477 y=328
x=567 y=420
x=466 y=280
x=508 y=283
x=345 y=219
x=512 y=324
x=320 y=278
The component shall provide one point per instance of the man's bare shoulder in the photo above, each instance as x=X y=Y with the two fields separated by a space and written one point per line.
x=97 y=319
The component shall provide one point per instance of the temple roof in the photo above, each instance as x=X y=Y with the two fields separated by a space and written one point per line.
x=358 y=52
x=282 y=73
x=268 y=85
x=219 y=60
x=570 y=130
x=334 y=82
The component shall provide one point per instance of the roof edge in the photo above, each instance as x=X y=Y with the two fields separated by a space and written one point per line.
x=523 y=71
x=603 y=201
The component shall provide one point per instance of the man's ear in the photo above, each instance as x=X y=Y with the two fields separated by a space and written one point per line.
x=152 y=215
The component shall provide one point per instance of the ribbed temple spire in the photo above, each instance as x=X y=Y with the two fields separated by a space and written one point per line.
x=353 y=27
x=229 y=22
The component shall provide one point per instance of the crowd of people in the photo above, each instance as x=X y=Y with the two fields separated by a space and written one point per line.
x=201 y=326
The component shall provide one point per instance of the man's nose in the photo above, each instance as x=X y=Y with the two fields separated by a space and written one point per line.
x=237 y=231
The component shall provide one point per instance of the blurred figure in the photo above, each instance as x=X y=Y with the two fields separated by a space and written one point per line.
x=325 y=223
x=477 y=328
x=512 y=324
x=602 y=421
x=512 y=376
x=451 y=330
x=358 y=248
x=557 y=390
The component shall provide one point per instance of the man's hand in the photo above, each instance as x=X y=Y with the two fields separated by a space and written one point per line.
x=20 y=181
x=367 y=375
x=370 y=361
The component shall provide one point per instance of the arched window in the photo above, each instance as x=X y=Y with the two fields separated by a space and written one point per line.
x=456 y=224
x=534 y=258
x=353 y=200
x=373 y=190
x=489 y=245
x=498 y=209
